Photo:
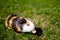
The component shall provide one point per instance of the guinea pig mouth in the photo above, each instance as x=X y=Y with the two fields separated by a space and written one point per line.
x=33 y=31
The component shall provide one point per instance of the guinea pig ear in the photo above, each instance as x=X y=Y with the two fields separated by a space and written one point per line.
x=22 y=21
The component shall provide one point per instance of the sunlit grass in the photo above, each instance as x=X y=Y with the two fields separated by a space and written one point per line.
x=44 y=14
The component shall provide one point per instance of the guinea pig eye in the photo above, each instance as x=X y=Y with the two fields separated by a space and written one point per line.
x=28 y=25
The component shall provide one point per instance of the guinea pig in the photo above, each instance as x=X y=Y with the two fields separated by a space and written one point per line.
x=20 y=24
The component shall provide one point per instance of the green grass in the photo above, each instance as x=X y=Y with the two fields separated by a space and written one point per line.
x=44 y=14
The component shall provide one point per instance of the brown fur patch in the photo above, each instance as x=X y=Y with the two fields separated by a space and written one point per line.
x=17 y=26
x=9 y=19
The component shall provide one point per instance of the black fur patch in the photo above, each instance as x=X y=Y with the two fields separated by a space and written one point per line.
x=39 y=31
x=22 y=21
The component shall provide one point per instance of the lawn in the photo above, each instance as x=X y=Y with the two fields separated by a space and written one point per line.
x=44 y=14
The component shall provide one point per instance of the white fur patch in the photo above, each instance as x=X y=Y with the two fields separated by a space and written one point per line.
x=29 y=28
x=34 y=31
